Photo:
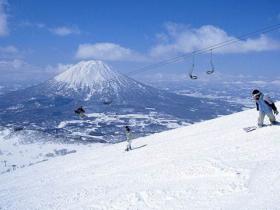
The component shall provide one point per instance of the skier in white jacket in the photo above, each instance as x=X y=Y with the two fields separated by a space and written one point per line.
x=265 y=106
x=128 y=138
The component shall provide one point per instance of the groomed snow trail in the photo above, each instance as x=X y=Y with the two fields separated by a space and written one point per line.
x=208 y=165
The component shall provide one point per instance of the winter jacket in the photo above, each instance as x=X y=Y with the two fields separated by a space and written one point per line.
x=265 y=104
x=80 y=110
x=128 y=135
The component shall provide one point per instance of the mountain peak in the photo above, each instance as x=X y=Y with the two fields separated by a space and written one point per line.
x=94 y=78
x=86 y=74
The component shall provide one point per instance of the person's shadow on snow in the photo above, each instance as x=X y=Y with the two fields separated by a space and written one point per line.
x=133 y=148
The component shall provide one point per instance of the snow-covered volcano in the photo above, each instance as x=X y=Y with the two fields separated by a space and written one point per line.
x=96 y=80
x=88 y=74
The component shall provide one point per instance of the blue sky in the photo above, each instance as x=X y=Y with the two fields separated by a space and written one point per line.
x=41 y=37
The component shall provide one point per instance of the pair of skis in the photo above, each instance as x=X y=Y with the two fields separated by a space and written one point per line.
x=252 y=128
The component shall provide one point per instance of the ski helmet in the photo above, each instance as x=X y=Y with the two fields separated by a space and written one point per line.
x=256 y=92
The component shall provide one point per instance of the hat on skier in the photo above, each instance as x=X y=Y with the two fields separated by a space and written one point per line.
x=127 y=128
x=256 y=93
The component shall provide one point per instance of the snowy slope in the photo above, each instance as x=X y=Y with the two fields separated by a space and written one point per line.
x=208 y=165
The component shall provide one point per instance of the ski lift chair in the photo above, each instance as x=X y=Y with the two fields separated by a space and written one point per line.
x=212 y=70
x=193 y=77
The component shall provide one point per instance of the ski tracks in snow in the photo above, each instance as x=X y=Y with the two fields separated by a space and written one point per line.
x=179 y=185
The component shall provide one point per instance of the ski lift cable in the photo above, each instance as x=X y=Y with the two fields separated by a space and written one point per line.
x=202 y=51
x=237 y=39
x=205 y=50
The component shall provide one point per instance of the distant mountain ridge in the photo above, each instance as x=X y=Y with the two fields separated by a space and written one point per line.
x=92 y=84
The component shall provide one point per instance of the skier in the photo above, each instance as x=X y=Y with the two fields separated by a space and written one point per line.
x=266 y=107
x=80 y=111
x=128 y=138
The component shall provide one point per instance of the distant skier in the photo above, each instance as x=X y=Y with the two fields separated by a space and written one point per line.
x=80 y=111
x=266 y=107
x=128 y=138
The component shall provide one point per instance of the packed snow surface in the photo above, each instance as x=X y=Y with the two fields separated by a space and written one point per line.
x=208 y=165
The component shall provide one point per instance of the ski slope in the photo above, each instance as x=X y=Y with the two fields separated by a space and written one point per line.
x=208 y=165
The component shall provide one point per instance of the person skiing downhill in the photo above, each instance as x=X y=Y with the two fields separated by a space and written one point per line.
x=265 y=106
x=128 y=138
x=80 y=111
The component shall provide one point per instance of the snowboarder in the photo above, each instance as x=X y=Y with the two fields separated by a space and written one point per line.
x=80 y=111
x=128 y=138
x=266 y=107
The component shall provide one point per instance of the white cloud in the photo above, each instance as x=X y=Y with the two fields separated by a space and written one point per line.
x=58 y=68
x=180 y=38
x=9 y=49
x=59 y=30
x=108 y=51
x=27 y=23
x=3 y=19
x=275 y=82
x=9 y=52
x=258 y=82
x=64 y=31
x=62 y=67
x=14 y=65
x=18 y=70
x=22 y=66
x=21 y=70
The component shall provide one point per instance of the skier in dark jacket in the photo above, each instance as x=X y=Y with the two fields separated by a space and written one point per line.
x=265 y=106
x=80 y=111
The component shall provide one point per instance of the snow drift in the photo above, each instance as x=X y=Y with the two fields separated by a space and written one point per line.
x=208 y=165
